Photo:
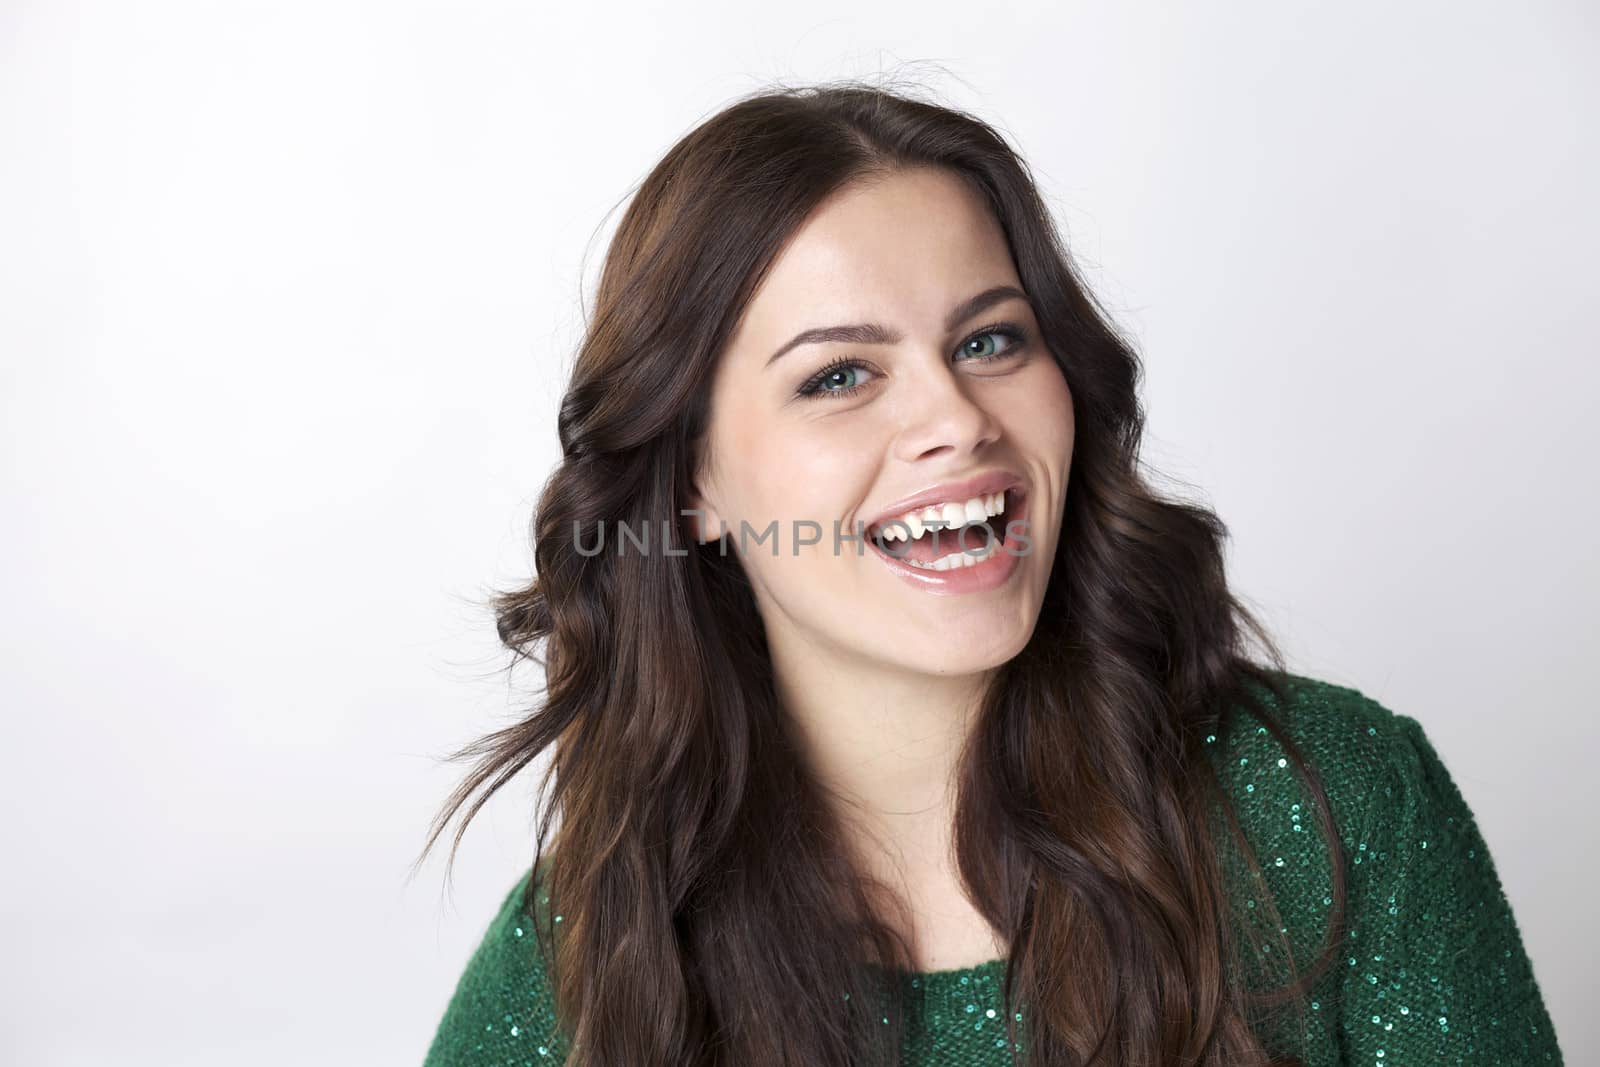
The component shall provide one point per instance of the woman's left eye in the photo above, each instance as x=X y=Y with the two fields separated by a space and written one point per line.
x=841 y=378
x=1011 y=333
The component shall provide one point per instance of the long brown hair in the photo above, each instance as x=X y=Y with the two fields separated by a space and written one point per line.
x=711 y=915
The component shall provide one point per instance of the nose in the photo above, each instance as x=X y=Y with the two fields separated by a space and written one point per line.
x=939 y=414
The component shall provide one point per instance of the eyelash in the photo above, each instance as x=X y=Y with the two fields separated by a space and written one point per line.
x=811 y=388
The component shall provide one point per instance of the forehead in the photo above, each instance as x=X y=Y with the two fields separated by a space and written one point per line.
x=901 y=250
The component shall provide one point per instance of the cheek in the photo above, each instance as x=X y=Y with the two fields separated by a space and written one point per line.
x=1043 y=413
x=790 y=472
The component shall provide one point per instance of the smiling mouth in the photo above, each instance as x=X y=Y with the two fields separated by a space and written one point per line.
x=910 y=538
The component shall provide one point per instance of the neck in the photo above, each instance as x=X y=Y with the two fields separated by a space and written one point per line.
x=884 y=745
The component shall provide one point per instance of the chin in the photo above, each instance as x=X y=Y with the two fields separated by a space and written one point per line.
x=975 y=655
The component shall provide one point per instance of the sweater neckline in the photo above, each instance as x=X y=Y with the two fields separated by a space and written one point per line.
x=935 y=983
x=997 y=963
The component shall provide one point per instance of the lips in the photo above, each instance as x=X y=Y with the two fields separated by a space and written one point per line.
x=976 y=573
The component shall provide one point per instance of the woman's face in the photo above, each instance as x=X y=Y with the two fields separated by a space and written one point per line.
x=855 y=431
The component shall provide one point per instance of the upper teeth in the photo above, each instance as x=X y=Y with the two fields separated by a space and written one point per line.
x=949 y=515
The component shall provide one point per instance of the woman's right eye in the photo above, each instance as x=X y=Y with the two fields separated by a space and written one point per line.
x=835 y=380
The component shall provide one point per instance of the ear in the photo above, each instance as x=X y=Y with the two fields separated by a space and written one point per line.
x=705 y=520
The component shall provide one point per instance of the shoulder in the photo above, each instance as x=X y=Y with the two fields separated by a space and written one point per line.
x=1358 y=752
x=1337 y=719
x=1353 y=742
x=1394 y=805
x=503 y=1004
x=1377 y=766
x=1349 y=739
x=1434 y=968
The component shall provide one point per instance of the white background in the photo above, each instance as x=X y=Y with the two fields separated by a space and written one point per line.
x=287 y=291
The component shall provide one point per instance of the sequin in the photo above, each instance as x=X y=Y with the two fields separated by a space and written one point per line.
x=1434 y=970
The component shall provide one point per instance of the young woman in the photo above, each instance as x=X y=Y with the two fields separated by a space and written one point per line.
x=891 y=716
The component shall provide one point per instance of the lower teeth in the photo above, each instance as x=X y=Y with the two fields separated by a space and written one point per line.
x=957 y=560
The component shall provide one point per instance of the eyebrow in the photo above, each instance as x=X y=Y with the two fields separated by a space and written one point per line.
x=871 y=333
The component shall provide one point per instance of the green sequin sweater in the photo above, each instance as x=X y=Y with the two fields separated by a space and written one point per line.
x=1433 y=970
